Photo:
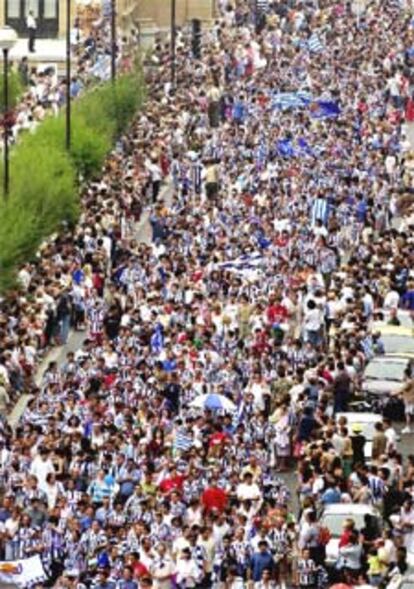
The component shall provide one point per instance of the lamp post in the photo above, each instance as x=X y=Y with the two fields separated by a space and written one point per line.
x=113 y=41
x=68 y=76
x=8 y=38
x=173 y=35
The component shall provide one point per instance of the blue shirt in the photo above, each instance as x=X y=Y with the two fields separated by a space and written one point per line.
x=408 y=300
x=361 y=211
x=259 y=562
x=85 y=522
x=169 y=365
x=127 y=585
x=331 y=496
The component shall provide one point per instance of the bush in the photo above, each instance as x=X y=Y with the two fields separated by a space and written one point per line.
x=108 y=109
x=44 y=191
x=41 y=197
x=88 y=148
x=15 y=89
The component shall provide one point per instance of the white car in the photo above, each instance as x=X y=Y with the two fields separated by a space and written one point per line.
x=401 y=582
x=333 y=517
x=367 y=422
x=385 y=374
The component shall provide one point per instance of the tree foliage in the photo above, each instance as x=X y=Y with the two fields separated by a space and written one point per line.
x=44 y=190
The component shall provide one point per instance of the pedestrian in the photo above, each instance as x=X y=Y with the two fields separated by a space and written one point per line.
x=31 y=26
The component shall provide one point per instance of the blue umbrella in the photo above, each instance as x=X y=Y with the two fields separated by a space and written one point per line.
x=214 y=402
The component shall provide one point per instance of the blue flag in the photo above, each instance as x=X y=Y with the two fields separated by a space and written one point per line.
x=304 y=148
x=285 y=148
x=326 y=109
x=157 y=340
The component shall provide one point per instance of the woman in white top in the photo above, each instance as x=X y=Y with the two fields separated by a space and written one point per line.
x=350 y=554
x=53 y=490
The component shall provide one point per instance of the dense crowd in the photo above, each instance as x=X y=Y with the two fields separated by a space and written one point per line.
x=216 y=355
x=43 y=89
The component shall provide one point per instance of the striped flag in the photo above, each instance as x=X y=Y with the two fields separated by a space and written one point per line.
x=320 y=211
x=242 y=264
x=286 y=100
x=262 y=5
x=183 y=440
x=315 y=44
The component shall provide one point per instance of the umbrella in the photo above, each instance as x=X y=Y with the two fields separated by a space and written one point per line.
x=213 y=401
x=214 y=498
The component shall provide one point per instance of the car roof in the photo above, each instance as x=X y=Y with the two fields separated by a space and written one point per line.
x=349 y=509
x=392 y=358
x=399 y=330
x=354 y=416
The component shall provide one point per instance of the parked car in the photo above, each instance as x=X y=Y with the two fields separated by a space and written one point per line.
x=404 y=317
x=401 y=582
x=397 y=339
x=367 y=422
x=333 y=517
x=385 y=374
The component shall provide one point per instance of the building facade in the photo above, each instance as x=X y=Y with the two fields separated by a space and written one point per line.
x=148 y=14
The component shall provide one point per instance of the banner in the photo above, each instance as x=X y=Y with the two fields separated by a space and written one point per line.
x=22 y=573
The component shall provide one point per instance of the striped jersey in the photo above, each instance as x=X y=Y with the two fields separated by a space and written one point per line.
x=262 y=5
x=306 y=572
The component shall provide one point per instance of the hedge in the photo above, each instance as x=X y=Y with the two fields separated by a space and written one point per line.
x=15 y=89
x=44 y=191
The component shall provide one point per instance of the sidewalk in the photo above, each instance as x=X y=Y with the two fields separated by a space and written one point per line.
x=75 y=340
x=47 y=50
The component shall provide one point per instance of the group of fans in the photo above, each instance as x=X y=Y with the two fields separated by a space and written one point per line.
x=276 y=176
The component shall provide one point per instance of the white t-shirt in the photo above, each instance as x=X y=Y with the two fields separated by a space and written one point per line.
x=313 y=319
x=41 y=468
x=246 y=491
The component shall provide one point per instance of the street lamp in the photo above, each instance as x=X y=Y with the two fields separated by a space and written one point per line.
x=173 y=37
x=8 y=38
x=68 y=75
x=113 y=41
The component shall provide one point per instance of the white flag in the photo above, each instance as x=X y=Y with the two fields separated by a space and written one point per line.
x=22 y=573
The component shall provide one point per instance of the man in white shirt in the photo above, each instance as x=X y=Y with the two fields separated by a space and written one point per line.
x=42 y=466
x=31 y=29
x=162 y=568
x=188 y=573
x=248 y=489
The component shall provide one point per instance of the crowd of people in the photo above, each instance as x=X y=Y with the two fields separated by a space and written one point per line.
x=274 y=171
x=44 y=90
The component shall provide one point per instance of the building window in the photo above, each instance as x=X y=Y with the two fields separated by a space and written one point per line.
x=32 y=5
x=13 y=8
x=49 y=9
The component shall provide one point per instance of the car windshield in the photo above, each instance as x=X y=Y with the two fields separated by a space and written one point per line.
x=335 y=521
x=379 y=370
x=398 y=344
